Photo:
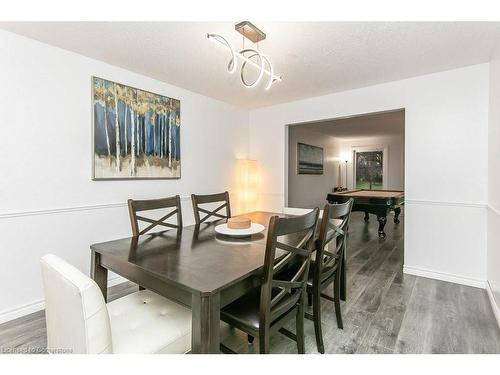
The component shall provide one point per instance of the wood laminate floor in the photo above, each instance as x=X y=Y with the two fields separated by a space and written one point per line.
x=385 y=312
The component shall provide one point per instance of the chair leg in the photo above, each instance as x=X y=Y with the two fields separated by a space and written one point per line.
x=264 y=344
x=250 y=339
x=300 y=328
x=336 y=297
x=317 y=321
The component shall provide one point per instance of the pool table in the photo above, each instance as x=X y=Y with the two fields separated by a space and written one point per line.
x=376 y=202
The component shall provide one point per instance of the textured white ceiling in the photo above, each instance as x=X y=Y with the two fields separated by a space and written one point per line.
x=372 y=125
x=313 y=58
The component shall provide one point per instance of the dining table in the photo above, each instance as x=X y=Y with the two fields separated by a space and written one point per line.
x=194 y=266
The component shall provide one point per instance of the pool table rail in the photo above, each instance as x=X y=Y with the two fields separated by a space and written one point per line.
x=376 y=202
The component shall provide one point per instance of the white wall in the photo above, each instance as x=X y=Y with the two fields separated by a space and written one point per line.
x=394 y=159
x=308 y=190
x=48 y=201
x=494 y=184
x=50 y=204
x=446 y=130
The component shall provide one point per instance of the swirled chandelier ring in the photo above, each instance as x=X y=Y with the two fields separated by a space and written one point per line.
x=247 y=56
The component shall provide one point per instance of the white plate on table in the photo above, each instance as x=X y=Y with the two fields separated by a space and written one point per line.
x=254 y=229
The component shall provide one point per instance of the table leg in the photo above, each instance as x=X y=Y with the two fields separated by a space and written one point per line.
x=205 y=336
x=381 y=224
x=397 y=211
x=99 y=274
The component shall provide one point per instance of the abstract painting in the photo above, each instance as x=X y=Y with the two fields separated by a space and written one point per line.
x=136 y=133
x=309 y=159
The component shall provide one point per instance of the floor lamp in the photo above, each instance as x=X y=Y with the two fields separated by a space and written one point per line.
x=346 y=187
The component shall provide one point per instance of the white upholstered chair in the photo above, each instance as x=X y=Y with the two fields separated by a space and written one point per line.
x=80 y=321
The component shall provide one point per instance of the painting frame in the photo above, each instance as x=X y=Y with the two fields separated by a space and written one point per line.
x=308 y=167
x=94 y=177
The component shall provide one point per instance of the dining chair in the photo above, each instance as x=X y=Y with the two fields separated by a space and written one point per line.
x=79 y=321
x=266 y=309
x=207 y=199
x=135 y=206
x=326 y=267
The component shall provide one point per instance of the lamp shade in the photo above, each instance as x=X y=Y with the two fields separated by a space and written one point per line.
x=247 y=183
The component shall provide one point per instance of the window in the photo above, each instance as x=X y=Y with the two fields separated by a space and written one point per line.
x=369 y=167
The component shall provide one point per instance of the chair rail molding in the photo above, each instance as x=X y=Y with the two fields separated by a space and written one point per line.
x=445 y=203
x=59 y=210
x=100 y=206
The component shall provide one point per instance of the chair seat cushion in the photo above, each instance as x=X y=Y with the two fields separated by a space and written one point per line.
x=244 y=312
x=145 y=322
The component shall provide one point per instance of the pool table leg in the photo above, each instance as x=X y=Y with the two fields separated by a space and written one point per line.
x=381 y=224
x=367 y=218
x=397 y=211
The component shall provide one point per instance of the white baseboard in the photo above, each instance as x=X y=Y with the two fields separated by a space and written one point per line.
x=17 y=312
x=494 y=306
x=30 y=308
x=478 y=283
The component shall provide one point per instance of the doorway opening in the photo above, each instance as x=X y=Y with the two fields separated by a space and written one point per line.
x=359 y=157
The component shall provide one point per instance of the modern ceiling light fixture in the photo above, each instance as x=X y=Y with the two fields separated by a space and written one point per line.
x=248 y=56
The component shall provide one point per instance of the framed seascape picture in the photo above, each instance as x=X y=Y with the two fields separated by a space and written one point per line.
x=309 y=159
x=136 y=134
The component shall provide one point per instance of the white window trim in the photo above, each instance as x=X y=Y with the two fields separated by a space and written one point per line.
x=385 y=162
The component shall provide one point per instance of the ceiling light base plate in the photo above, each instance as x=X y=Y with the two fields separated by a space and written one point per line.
x=250 y=31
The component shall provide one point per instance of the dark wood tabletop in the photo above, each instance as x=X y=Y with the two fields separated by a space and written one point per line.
x=194 y=266
x=195 y=258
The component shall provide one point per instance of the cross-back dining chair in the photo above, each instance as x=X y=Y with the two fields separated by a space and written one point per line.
x=135 y=206
x=326 y=268
x=210 y=198
x=266 y=309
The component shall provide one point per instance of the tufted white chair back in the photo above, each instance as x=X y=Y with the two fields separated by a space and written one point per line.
x=76 y=313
